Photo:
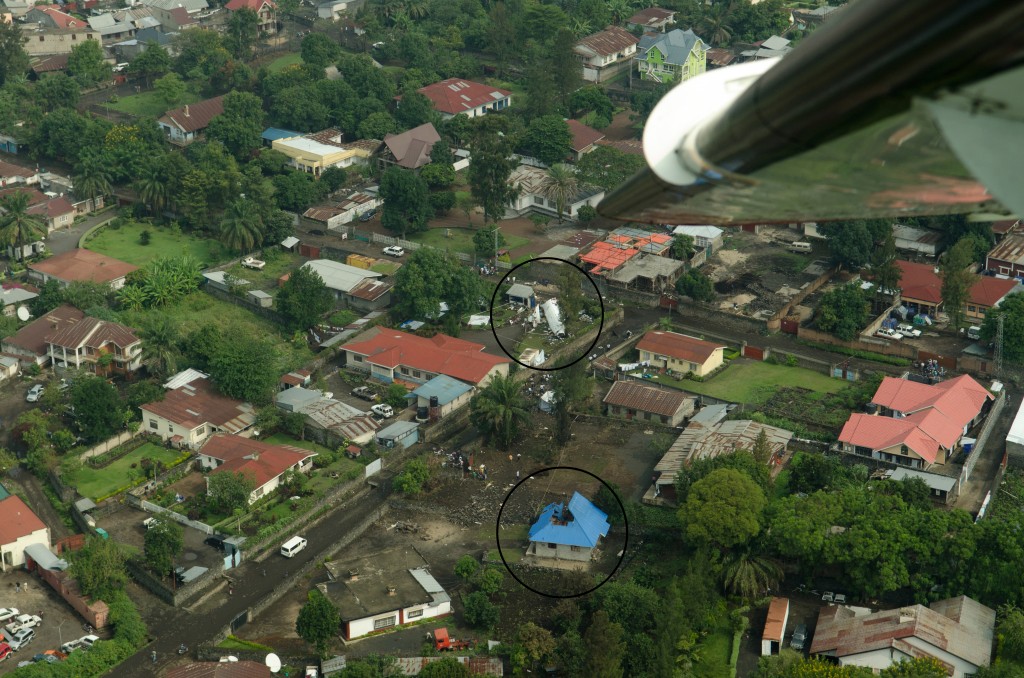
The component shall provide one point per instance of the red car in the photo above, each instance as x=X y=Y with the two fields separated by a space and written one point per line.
x=5 y=651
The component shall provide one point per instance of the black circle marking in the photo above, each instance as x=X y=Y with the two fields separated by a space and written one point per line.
x=600 y=328
x=625 y=524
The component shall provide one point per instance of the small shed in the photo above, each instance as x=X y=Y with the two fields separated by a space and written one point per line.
x=404 y=433
x=775 y=626
x=943 y=489
x=289 y=243
x=8 y=367
x=521 y=294
x=444 y=394
x=260 y=298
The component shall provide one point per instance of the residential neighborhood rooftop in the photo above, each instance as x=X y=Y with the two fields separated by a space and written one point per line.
x=680 y=346
x=197 y=402
x=359 y=586
x=456 y=95
x=578 y=524
x=441 y=354
x=83 y=266
x=257 y=460
x=17 y=519
x=637 y=395
x=611 y=40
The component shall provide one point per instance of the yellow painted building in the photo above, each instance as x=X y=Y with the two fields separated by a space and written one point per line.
x=317 y=152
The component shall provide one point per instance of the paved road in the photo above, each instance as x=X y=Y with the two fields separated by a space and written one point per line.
x=180 y=626
x=66 y=239
x=982 y=480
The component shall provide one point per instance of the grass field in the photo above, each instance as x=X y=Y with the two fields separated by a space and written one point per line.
x=95 y=483
x=385 y=267
x=753 y=382
x=200 y=309
x=150 y=104
x=123 y=244
x=282 y=62
x=323 y=479
x=716 y=650
x=461 y=239
x=277 y=265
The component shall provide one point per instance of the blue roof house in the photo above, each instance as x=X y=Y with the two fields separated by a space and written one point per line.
x=444 y=393
x=404 y=433
x=568 y=532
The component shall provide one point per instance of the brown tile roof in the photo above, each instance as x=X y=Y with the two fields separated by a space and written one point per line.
x=242 y=669
x=678 y=346
x=611 y=40
x=10 y=170
x=1010 y=249
x=35 y=196
x=959 y=626
x=198 y=403
x=989 y=291
x=651 y=15
x=639 y=396
x=1005 y=226
x=775 y=625
x=194 y=117
x=583 y=137
x=323 y=213
x=57 y=62
x=93 y=333
x=32 y=337
x=17 y=520
x=717 y=56
x=329 y=136
x=412 y=148
x=631 y=146
x=456 y=95
x=83 y=265
x=53 y=208
x=260 y=461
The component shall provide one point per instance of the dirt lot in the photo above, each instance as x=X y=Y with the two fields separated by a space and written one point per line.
x=125 y=527
x=60 y=622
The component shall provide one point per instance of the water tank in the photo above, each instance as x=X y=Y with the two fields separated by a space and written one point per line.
x=871 y=408
x=434 y=401
x=422 y=414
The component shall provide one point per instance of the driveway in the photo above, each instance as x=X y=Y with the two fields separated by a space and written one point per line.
x=65 y=240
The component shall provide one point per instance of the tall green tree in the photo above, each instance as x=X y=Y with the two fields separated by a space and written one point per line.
x=86 y=64
x=56 y=90
x=561 y=185
x=406 y=201
x=318 y=621
x=1012 y=311
x=414 y=109
x=13 y=57
x=843 y=311
x=241 y=229
x=319 y=51
x=98 y=567
x=492 y=164
x=170 y=88
x=163 y=542
x=605 y=647
x=749 y=575
x=242 y=32
x=153 y=188
x=92 y=177
x=227 y=491
x=17 y=226
x=240 y=125
x=160 y=338
x=723 y=509
x=304 y=298
x=245 y=368
x=446 y=667
x=852 y=242
x=957 y=273
x=548 y=139
x=99 y=413
x=500 y=411
x=885 y=272
x=152 y=62
x=607 y=167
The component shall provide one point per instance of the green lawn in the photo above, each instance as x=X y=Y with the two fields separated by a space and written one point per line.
x=123 y=244
x=150 y=104
x=753 y=382
x=715 y=653
x=461 y=239
x=200 y=309
x=95 y=483
x=282 y=62
x=266 y=279
x=385 y=267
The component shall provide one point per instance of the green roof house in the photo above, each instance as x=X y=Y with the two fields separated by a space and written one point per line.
x=670 y=57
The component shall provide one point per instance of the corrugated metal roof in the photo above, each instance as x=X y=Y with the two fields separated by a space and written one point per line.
x=184 y=377
x=398 y=429
x=338 y=276
x=933 y=480
x=640 y=396
x=586 y=524
x=444 y=388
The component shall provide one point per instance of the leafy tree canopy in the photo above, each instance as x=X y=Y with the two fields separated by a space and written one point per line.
x=843 y=311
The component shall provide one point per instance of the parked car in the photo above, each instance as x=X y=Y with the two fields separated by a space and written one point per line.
x=394 y=251
x=88 y=641
x=908 y=330
x=42 y=657
x=366 y=393
x=228 y=659
x=312 y=672
x=35 y=393
x=8 y=613
x=27 y=621
x=889 y=334
x=216 y=541
x=5 y=651
x=368 y=215
x=799 y=639
x=383 y=410
x=19 y=639
x=840 y=599
x=828 y=597
x=71 y=646
x=253 y=262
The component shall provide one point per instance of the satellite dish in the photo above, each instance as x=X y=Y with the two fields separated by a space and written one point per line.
x=23 y=313
x=273 y=662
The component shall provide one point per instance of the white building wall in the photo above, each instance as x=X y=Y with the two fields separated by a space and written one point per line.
x=13 y=554
x=152 y=423
x=427 y=611
x=361 y=627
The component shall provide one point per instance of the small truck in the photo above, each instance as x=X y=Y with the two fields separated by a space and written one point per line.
x=366 y=393
x=444 y=643
x=253 y=262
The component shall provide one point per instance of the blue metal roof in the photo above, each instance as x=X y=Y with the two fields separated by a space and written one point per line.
x=588 y=523
x=397 y=430
x=444 y=387
x=275 y=133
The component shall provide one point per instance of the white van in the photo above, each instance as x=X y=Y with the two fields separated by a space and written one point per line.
x=801 y=247
x=974 y=332
x=292 y=546
x=383 y=410
x=20 y=638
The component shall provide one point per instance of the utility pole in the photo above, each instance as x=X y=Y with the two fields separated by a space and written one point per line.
x=999 y=344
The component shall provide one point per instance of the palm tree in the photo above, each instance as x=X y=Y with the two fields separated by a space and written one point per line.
x=416 y=9
x=500 y=410
x=716 y=24
x=92 y=178
x=17 y=226
x=151 y=186
x=620 y=10
x=561 y=186
x=160 y=346
x=132 y=297
x=749 y=575
x=242 y=227
x=581 y=27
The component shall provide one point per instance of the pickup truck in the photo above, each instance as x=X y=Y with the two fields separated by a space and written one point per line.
x=383 y=411
x=253 y=262
x=366 y=393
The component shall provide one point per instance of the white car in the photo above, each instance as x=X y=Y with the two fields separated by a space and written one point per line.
x=383 y=410
x=88 y=641
x=26 y=621
x=889 y=334
x=394 y=251
x=909 y=330
x=253 y=262
x=35 y=393
x=8 y=613
x=71 y=646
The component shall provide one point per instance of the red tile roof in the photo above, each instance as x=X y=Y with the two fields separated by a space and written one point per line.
x=83 y=265
x=920 y=282
x=583 y=137
x=678 y=346
x=194 y=117
x=257 y=460
x=877 y=433
x=775 y=625
x=17 y=520
x=605 y=256
x=60 y=19
x=32 y=337
x=53 y=208
x=440 y=354
x=639 y=396
x=989 y=291
x=254 y=5
x=35 y=196
x=611 y=40
x=456 y=95
x=10 y=171
x=198 y=403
